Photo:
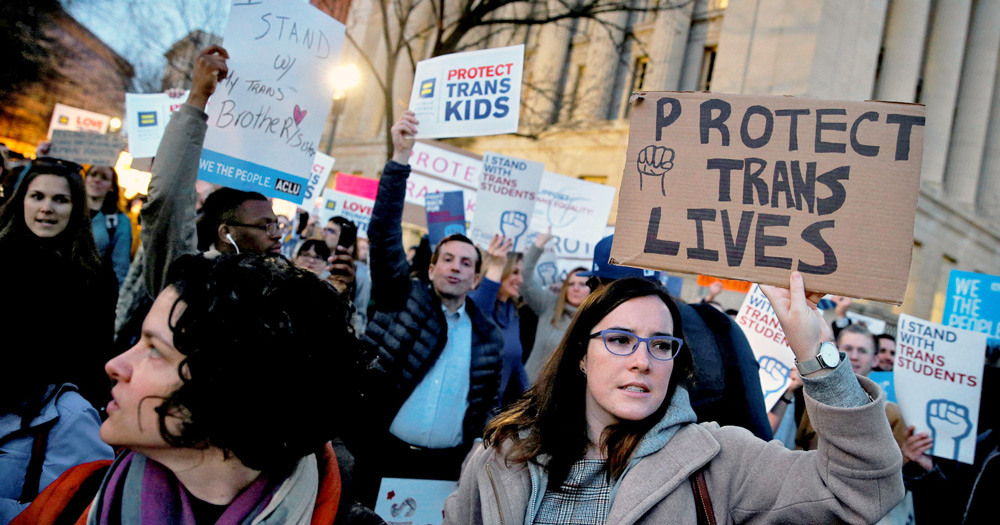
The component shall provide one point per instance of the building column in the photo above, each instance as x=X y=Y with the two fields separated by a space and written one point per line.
x=975 y=94
x=666 y=52
x=548 y=73
x=988 y=194
x=940 y=88
x=604 y=57
x=904 y=45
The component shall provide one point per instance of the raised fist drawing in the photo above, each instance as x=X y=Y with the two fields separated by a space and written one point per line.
x=949 y=422
x=513 y=224
x=408 y=504
x=655 y=161
x=547 y=272
x=773 y=375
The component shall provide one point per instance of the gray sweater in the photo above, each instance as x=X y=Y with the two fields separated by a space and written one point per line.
x=543 y=303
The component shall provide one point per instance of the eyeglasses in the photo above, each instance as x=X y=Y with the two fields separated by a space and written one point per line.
x=330 y=231
x=623 y=343
x=270 y=228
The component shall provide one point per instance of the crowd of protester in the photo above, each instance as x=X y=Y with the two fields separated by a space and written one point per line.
x=236 y=366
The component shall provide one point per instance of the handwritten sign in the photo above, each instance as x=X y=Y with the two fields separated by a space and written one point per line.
x=76 y=119
x=767 y=340
x=266 y=117
x=751 y=187
x=469 y=94
x=321 y=168
x=506 y=199
x=351 y=207
x=146 y=118
x=413 y=501
x=938 y=380
x=86 y=148
x=445 y=215
x=973 y=302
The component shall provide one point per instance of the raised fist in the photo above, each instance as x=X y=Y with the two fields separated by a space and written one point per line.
x=949 y=422
x=547 y=272
x=773 y=375
x=655 y=161
x=513 y=224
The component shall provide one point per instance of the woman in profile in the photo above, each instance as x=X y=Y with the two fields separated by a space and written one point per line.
x=608 y=434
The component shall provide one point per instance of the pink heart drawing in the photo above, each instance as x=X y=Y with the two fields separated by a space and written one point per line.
x=299 y=115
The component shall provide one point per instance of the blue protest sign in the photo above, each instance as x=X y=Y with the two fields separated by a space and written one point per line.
x=445 y=215
x=973 y=302
x=885 y=381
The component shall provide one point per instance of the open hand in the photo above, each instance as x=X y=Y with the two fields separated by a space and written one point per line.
x=802 y=322
x=916 y=446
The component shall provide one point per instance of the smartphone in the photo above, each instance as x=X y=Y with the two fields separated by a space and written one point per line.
x=348 y=236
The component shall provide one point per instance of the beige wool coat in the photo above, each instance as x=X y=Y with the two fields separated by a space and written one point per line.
x=854 y=476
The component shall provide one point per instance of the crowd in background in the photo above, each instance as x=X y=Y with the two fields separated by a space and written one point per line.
x=277 y=368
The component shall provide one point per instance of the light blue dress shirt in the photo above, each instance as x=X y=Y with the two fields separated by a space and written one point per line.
x=433 y=414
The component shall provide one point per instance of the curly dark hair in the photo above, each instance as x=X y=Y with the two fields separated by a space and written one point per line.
x=271 y=360
x=554 y=410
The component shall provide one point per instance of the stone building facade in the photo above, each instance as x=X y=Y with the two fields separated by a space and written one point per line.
x=943 y=54
x=94 y=77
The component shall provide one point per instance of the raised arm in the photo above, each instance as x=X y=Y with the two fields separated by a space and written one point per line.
x=485 y=295
x=539 y=299
x=389 y=269
x=168 y=219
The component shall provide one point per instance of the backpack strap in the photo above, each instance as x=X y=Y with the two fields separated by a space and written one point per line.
x=33 y=475
x=702 y=501
x=111 y=224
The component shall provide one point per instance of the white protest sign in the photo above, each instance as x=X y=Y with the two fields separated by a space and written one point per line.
x=413 y=501
x=268 y=114
x=321 y=168
x=351 y=207
x=506 y=199
x=418 y=186
x=146 y=118
x=446 y=164
x=938 y=379
x=552 y=269
x=767 y=339
x=573 y=208
x=76 y=119
x=875 y=326
x=86 y=148
x=468 y=94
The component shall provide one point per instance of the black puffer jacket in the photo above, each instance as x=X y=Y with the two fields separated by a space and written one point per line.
x=408 y=327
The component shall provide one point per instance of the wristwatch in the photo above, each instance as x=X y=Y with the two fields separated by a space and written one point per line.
x=827 y=357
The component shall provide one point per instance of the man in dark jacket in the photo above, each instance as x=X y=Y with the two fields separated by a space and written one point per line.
x=437 y=371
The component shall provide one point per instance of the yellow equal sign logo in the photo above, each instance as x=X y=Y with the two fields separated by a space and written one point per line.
x=63 y=119
x=331 y=205
x=147 y=118
x=427 y=88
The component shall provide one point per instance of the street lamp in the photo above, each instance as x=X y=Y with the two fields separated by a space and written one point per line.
x=343 y=77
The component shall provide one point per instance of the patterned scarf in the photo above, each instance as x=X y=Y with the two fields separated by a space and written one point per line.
x=140 y=491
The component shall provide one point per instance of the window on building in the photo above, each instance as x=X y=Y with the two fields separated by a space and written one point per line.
x=572 y=99
x=638 y=77
x=707 y=68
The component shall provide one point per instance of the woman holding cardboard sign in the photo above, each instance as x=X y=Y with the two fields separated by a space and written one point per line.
x=608 y=434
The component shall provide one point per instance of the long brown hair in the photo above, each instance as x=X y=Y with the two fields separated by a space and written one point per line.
x=112 y=201
x=76 y=242
x=554 y=411
x=557 y=313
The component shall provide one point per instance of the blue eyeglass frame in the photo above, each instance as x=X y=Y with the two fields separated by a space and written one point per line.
x=639 y=341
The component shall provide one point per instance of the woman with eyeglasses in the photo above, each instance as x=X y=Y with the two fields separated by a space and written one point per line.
x=57 y=309
x=608 y=434
x=112 y=228
x=554 y=311
x=313 y=255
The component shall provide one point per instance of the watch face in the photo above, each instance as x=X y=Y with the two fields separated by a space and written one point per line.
x=828 y=352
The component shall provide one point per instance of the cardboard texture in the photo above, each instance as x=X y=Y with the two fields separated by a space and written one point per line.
x=752 y=187
x=84 y=147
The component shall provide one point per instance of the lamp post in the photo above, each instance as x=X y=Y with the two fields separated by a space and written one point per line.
x=344 y=77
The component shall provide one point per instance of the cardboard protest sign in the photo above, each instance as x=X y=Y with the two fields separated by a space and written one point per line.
x=752 y=187
x=445 y=215
x=321 y=168
x=413 y=501
x=572 y=208
x=86 y=148
x=767 y=339
x=885 y=381
x=268 y=114
x=727 y=284
x=76 y=119
x=468 y=94
x=146 y=118
x=351 y=207
x=443 y=162
x=938 y=380
x=506 y=199
x=973 y=302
